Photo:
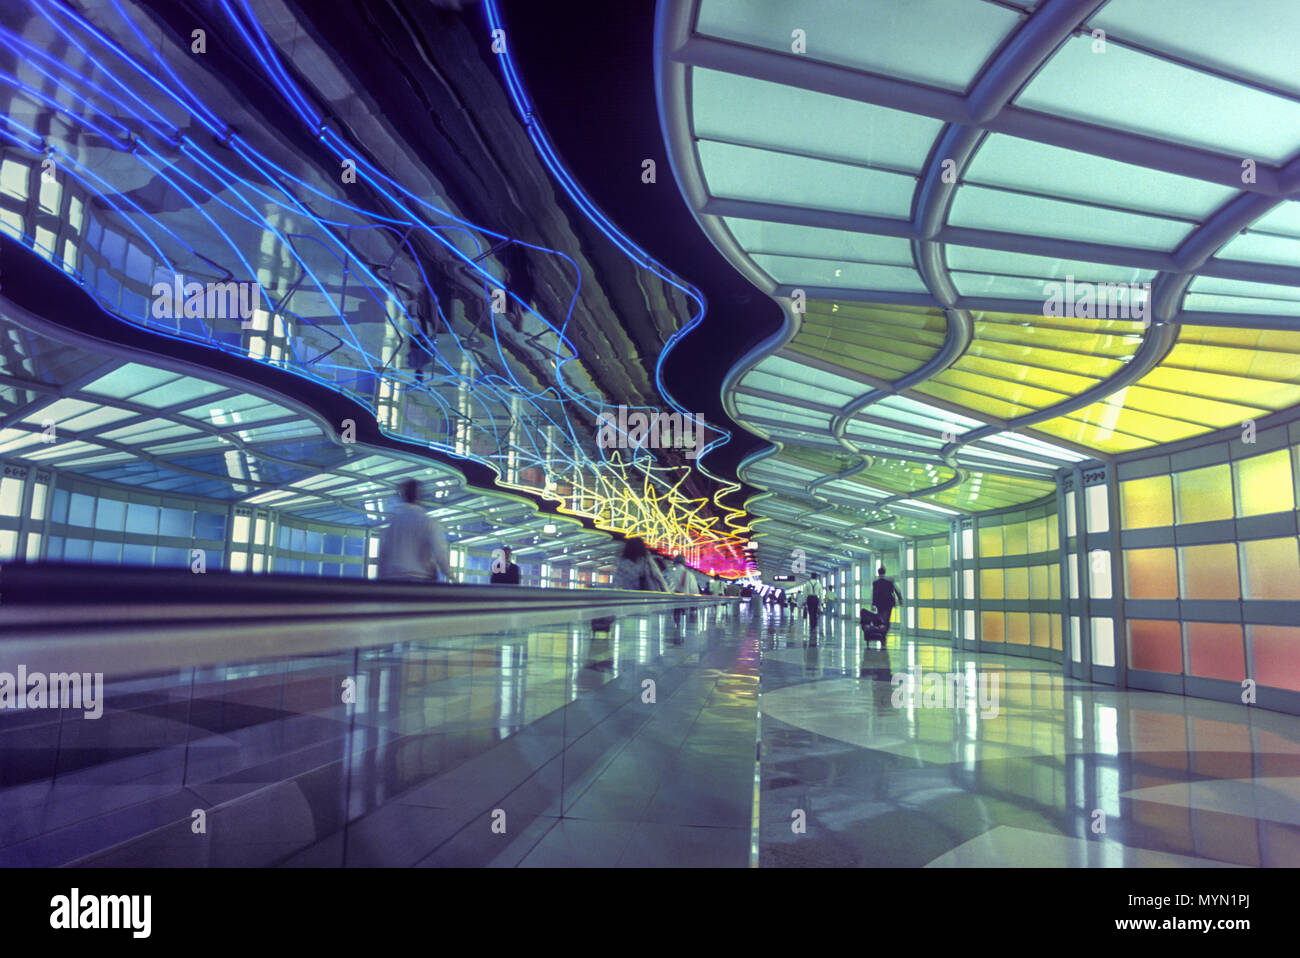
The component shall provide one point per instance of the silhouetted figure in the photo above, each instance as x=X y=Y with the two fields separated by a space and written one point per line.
x=884 y=596
x=509 y=572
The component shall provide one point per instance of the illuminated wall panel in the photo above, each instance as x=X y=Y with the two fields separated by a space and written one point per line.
x=1015 y=538
x=1145 y=503
x=1040 y=629
x=1276 y=651
x=1016 y=584
x=1150 y=574
x=992 y=584
x=990 y=541
x=1264 y=484
x=929 y=585
x=1270 y=569
x=1215 y=650
x=1203 y=495
x=1209 y=571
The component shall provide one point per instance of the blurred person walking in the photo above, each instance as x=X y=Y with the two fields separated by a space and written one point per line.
x=413 y=545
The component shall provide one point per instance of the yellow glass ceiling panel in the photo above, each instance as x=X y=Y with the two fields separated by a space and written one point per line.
x=1115 y=338
x=977 y=402
x=1038 y=366
x=987 y=491
x=1091 y=437
x=1021 y=393
x=1214 y=377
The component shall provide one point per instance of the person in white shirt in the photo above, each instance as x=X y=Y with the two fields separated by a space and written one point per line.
x=681 y=578
x=413 y=545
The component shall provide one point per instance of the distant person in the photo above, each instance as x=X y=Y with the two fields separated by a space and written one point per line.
x=509 y=575
x=884 y=596
x=413 y=545
x=813 y=603
x=637 y=569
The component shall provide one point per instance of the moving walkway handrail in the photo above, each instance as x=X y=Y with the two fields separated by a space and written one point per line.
x=119 y=621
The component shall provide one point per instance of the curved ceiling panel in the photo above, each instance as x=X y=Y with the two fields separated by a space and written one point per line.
x=996 y=260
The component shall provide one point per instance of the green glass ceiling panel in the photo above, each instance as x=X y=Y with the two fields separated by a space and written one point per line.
x=1034 y=445
x=1250 y=369
x=236 y=410
x=759 y=236
x=129 y=380
x=63 y=450
x=781 y=374
x=1253 y=42
x=979 y=457
x=859 y=429
x=884 y=342
x=854 y=353
x=1217 y=289
x=1204 y=302
x=912 y=526
x=1153 y=97
x=820 y=462
x=980 y=207
x=742 y=173
x=151 y=430
x=281 y=432
x=903 y=476
x=1034 y=167
x=789 y=414
x=176 y=392
x=753 y=112
x=12 y=440
x=95 y=418
x=798 y=271
x=909 y=412
x=973 y=259
x=59 y=411
x=1284 y=218
x=898 y=39
x=1262 y=248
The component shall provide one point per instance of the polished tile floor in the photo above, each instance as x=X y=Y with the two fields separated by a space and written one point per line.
x=545 y=749
x=509 y=749
x=1061 y=773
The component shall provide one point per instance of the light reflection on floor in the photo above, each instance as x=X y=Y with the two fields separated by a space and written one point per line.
x=1061 y=773
x=551 y=730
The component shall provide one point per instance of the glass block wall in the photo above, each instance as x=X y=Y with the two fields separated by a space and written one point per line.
x=1211 y=568
x=1007 y=580
x=47 y=516
x=926 y=587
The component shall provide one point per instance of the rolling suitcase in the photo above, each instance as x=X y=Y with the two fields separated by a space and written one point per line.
x=874 y=626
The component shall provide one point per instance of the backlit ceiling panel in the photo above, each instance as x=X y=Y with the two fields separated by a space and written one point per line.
x=1007 y=237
